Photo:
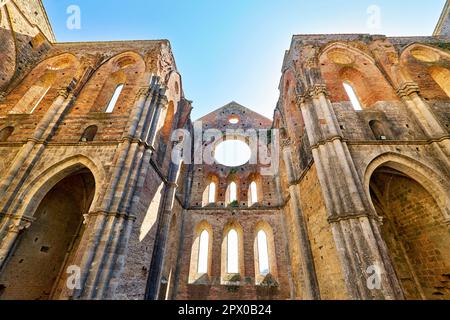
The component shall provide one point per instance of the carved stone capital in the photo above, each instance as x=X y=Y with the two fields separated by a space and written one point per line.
x=143 y=91
x=317 y=90
x=2 y=96
x=301 y=99
x=64 y=92
x=407 y=88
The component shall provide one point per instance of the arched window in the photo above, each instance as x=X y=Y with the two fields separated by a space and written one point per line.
x=38 y=102
x=114 y=99
x=212 y=193
x=352 y=96
x=232 y=252
x=203 y=253
x=266 y=270
x=263 y=253
x=253 y=193
x=232 y=193
x=89 y=134
x=5 y=133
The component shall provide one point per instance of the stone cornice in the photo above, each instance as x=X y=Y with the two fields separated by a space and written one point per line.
x=353 y=216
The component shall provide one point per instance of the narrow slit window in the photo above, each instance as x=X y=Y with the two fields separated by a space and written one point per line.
x=232 y=252
x=263 y=253
x=114 y=99
x=40 y=100
x=254 y=192
x=352 y=96
x=212 y=193
x=203 y=253
x=233 y=192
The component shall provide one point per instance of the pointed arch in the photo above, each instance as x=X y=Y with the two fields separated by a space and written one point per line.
x=414 y=212
x=429 y=67
x=436 y=183
x=201 y=253
x=232 y=262
x=344 y=64
x=232 y=195
x=89 y=134
x=211 y=191
x=264 y=253
x=114 y=82
x=255 y=190
x=295 y=124
x=38 y=186
x=33 y=95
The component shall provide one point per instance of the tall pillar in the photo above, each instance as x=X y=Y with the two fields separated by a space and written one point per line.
x=355 y=227
x=155 y=121
x=165 y=217
x=111 y=225
x=409 y=93
x=312 y=291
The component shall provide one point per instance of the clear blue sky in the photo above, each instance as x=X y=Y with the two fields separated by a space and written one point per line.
x=233 y=49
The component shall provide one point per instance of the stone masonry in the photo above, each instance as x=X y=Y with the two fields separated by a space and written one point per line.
x=93 y=205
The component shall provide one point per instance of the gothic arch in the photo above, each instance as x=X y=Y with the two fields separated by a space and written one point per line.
x=257 y=180
x=207 y=193
x=194 y=276
x=429 y=67
x=174 y=86
x=34 y=191
x=233 y=179
x=272 y=256
x=432 y=181
x=340 y=63
x=225 y=275
x=293 y=115
x=52 y=74
x=127 y=69
x=414 y=224
x=57 y=203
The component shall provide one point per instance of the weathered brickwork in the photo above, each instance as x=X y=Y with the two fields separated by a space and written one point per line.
x=415 y=225
x=403 y=125
x=88 y=185
x=326 y=261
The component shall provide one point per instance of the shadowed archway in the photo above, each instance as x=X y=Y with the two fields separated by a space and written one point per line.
x=36 y=267
x=415 y=232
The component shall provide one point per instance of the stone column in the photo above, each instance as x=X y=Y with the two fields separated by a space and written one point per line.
x=165 y=218
x=112 y=226
x=312 y=291
x=14 y=229
x=355 y=227
x=60 y=102
x=25 y=160
x=160 y=107
x=409 y=93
